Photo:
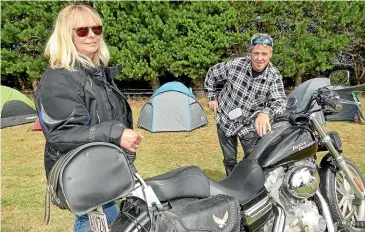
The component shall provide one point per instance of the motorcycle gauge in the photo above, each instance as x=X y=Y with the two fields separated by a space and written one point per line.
x=291 y=102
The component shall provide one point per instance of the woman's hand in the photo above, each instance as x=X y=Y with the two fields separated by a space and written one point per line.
x=130 y=140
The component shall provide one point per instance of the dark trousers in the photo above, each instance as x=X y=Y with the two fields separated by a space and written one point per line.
x=229 y=147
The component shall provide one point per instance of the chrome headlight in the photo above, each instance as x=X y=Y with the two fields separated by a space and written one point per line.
x=302 y=182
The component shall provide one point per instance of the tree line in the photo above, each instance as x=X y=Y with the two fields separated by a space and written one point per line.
x=182 y=40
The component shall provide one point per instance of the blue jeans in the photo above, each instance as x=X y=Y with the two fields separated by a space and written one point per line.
x=82 y=223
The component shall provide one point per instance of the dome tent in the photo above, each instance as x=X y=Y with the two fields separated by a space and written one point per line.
x=173 y=107
x=16 y=108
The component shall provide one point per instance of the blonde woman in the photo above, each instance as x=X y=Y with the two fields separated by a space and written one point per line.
x=77 y=99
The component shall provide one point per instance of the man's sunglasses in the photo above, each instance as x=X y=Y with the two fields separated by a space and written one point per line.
x=262 y=40
x=84 y=31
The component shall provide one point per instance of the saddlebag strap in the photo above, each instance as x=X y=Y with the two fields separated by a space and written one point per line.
x=54 y=175
x=47 y=207
x=50 y=194
x=52 y=185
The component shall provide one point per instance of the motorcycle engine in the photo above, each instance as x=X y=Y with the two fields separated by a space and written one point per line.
x=292 y=187
x=302 y=181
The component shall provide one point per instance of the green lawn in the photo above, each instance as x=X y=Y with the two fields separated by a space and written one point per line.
x=23 y=180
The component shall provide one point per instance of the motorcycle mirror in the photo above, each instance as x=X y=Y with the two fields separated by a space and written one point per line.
x=235 y=113
x=340 y=77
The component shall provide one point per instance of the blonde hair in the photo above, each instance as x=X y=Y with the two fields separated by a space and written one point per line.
x=263 y=35
x=60 y=49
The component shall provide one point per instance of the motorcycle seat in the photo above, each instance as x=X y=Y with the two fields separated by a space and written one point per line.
x=244 y=183
x=185 y=182
x=246 y=180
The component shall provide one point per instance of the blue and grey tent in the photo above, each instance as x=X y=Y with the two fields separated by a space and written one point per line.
x=172 y=107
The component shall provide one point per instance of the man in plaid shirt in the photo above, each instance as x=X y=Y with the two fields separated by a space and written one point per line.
x=253 y=84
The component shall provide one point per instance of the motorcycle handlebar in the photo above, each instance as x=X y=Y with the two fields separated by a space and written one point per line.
x=332 y=102
x=284 y=116
x=245 y=121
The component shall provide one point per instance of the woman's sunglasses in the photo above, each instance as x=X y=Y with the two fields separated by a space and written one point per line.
x=84 y=31
x=262 y=40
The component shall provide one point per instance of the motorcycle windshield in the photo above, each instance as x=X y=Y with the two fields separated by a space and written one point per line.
x=299 y=97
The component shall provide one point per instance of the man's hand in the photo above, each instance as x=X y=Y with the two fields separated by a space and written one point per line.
x=213 y=105
x=262 y=124
x=130 y=140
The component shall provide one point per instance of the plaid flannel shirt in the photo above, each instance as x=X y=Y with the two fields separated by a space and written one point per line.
x=264 y=93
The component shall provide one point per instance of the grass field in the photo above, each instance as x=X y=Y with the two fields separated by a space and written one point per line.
x=23 y=180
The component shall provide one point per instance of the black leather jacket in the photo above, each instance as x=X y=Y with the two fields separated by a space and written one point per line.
x=78 y=107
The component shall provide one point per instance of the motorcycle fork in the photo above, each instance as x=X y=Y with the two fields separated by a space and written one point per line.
x=325 y=139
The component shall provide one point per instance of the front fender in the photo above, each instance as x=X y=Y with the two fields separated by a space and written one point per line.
x=327 y=168
x=328 y=162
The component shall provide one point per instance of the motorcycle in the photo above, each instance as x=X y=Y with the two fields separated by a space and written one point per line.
x=281 y=185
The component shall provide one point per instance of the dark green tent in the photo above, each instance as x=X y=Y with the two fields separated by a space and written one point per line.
x=351 y=109
x=16 y=108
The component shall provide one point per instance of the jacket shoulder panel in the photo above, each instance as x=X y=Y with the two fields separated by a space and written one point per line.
x=60 y=94
x=54 y=77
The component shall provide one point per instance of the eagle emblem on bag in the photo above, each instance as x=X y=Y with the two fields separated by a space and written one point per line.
x=221 y=221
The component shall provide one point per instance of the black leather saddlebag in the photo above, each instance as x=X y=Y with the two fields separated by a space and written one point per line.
x=90 y=176
x=216 y=213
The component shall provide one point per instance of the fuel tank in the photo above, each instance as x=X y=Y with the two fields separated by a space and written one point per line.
x=284 y=144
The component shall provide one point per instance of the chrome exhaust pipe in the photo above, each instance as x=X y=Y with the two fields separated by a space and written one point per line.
x=326 y=212
x=279 y=222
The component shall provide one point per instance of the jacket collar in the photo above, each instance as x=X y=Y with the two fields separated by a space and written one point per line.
x=112 y=72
